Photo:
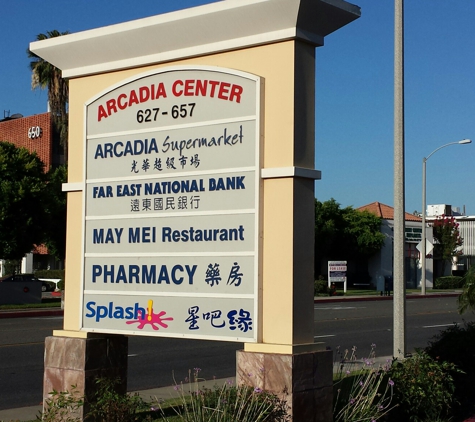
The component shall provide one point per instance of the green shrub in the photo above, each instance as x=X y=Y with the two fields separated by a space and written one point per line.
x=12 y=266
x=50 y=274
x=466 y=300
x=55 y=274
x=364 y=396
x=109 y=405
x=62 y=407
x=456 y=344
x=237 y=403
x=361 y=391
x=449 y=282
x=423 y=388
x=320 y=288
x=228 y=403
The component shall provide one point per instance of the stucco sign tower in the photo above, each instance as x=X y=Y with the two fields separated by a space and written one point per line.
x=191 y=190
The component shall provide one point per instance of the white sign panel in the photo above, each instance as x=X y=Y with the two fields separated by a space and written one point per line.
x=172 y=195
x=172 y=206
x=171 y=152
x=337 y=271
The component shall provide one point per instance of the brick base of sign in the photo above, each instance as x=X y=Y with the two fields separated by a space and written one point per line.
x=81 y=362
x=304 y=380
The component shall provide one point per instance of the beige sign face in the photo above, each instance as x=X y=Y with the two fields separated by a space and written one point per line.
x=172 y=206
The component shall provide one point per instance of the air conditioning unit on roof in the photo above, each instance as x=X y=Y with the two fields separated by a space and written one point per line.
x=437 y=210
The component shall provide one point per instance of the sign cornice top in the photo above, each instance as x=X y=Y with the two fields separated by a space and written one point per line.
x=212 y=28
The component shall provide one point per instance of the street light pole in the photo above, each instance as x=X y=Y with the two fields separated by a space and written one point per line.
x=424 y=233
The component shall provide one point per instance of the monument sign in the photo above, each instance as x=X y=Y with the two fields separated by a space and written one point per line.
x=191 y=192
x=171 y=209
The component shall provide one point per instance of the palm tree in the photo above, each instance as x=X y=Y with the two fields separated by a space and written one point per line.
x=46 y=76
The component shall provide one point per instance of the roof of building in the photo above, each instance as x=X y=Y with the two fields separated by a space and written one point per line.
x=386 y=212
x=40 y=250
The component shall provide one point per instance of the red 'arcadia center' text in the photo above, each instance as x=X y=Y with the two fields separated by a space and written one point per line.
x=186 y=88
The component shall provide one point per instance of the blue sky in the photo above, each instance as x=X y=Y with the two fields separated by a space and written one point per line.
x=354 y=98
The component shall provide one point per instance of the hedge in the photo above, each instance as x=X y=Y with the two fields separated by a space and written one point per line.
x=50 y=274
x=449 y=282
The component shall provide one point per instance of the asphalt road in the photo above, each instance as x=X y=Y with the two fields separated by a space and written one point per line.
x=361 y=324
x=153 y=362
x=21 y=359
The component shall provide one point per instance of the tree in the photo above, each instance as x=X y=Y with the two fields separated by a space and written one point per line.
x=345 y=233
x=364 y=231
x=22 y=191
x=448 y=241
x=329 y=229
x=55 y=203
x=46 y=76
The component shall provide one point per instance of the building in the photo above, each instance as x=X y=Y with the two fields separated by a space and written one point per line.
x=381 y=264
x=35 y=133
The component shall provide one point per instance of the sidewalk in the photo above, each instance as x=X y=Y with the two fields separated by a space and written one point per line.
x=368 y=297
x=153 y=395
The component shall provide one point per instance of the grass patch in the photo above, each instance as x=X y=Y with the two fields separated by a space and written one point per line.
x=360 y=292
x=45 y=303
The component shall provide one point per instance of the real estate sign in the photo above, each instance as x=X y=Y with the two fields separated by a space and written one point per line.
x=172 y=206
x=337 y=273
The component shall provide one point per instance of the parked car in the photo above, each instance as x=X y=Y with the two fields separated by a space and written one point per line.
x=45 y=286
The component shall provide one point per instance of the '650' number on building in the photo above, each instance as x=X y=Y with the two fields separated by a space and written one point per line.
x=34 y=132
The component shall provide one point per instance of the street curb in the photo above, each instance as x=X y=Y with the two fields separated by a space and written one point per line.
x=24 y=313
x=374 y=298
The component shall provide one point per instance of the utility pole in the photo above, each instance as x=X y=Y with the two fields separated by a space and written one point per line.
x=399 y=303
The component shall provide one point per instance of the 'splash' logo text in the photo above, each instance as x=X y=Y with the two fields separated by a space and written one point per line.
x=132 y=314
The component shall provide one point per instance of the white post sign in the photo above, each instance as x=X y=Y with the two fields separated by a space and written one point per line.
x=172 y=206
x=337 y=273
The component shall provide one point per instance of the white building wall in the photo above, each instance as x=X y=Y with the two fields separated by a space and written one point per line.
x=467 y=231
x=27 y=264
x=382 y=263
